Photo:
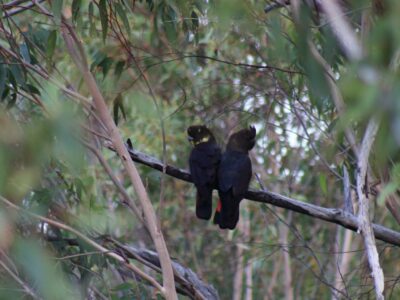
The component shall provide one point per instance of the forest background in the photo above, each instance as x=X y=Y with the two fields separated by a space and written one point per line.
x=318 y=79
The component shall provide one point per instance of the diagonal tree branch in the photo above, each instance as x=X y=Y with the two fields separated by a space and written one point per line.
x=15 y=7
x=75 y=50
x=331 y=215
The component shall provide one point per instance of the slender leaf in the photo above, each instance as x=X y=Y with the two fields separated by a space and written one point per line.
x=122 y=14
x=24 y=50
x=76 y=7
x=118 y=106
x=12 y=100
x=3 y=78
x=56 y=7
x=323 y=184
x=92 y=26
x=119 y=67
x=51 y=44
x=103 y=18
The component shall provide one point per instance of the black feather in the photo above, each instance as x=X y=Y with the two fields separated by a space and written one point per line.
x=203 y=162
x=234 y=176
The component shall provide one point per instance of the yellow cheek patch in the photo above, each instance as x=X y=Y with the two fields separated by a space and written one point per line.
x=203 y=140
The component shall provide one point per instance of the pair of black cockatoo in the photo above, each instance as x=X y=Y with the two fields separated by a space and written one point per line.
x=229 y=172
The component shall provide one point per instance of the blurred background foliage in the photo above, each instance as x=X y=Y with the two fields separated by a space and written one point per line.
x=163 y=65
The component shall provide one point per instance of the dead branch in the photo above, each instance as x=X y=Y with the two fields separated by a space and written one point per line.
x=363 y=213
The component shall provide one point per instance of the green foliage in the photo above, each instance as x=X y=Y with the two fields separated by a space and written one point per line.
x=56 y=8
x=42 y=272
x=103 y=17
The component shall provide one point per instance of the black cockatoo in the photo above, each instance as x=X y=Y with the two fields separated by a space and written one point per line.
x=203 y=162
x=234 y=174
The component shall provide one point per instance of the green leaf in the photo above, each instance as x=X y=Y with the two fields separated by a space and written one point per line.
x=23 y=49
x=3 y=77
x=51 y=44
x=103 y=18
x=31 y=89
x=11 y=77
x=395 y=173
x=122 y=287
x=12 y=101
x=105 y=65
x=124 y=18
x=150 y=4
x=79 y=187
x=76 y=7
x=5 y=93
x=323 y=184
x=18 y=74
x=92 y=27
x=56 y=7
x=98 y=58
x=169 y=18
x=195 y=20
x=119 y=67
x=39 y=268
x=389 y=189
x=118 y=106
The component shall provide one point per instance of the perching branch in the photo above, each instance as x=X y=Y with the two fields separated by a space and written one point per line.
x=332 y=215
